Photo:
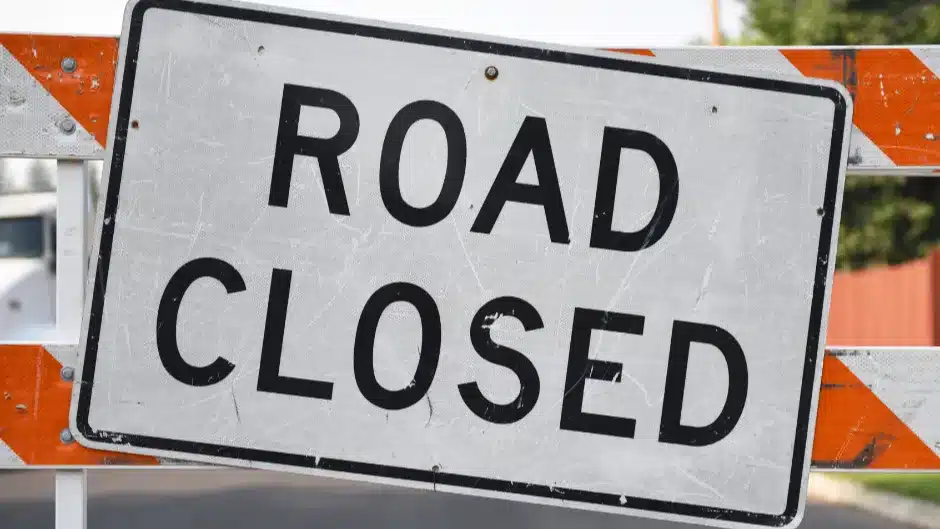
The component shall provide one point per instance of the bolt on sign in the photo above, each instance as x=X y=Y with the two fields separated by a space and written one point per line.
x=466 y=264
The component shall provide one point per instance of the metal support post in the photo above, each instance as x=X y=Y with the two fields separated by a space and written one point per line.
x=71 y=248
x=71 y=502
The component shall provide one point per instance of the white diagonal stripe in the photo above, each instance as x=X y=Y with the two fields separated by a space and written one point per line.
x=30 y=118
x=8 y=457
x=907 y=380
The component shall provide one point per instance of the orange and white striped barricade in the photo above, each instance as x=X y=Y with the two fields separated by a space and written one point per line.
x=55 y=94
x=875 y=403
x=877 y=406
x=895 y=129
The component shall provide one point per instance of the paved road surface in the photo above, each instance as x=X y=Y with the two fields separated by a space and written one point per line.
x=235 y=499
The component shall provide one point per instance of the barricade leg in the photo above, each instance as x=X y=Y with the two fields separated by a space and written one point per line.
x=71 y=487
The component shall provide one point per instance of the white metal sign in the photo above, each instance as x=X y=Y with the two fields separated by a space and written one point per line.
x=533 y=273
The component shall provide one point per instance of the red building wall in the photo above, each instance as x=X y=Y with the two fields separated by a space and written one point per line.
x=887 y=305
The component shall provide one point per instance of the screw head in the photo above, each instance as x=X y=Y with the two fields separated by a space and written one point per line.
x=69 y=64
x=491 y=72
x=67 y=126
x=68 y=373
x=66 y=436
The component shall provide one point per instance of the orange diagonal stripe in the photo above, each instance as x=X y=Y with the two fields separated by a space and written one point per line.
x=855 y=429
x=86 y=92
x=34 y=409
x=635 y=51
x=897 y=98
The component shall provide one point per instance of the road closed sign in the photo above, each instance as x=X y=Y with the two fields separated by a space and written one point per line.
x=462 y=264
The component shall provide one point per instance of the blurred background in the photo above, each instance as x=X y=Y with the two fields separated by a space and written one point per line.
x=884 y=293
x=28 y=208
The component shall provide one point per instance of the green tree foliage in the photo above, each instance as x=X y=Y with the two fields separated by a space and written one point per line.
x=885 y=220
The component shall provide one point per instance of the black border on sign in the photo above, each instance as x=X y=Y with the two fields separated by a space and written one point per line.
x=428 y=476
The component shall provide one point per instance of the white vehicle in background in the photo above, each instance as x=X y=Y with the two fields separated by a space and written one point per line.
x=28 y=200
x=27 y=265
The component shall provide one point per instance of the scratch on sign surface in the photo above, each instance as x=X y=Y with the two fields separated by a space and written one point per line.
x=238 y=416
x=704 y=288
x=430 y=410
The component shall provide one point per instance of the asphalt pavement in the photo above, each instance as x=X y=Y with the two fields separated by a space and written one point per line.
x=240 y=499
